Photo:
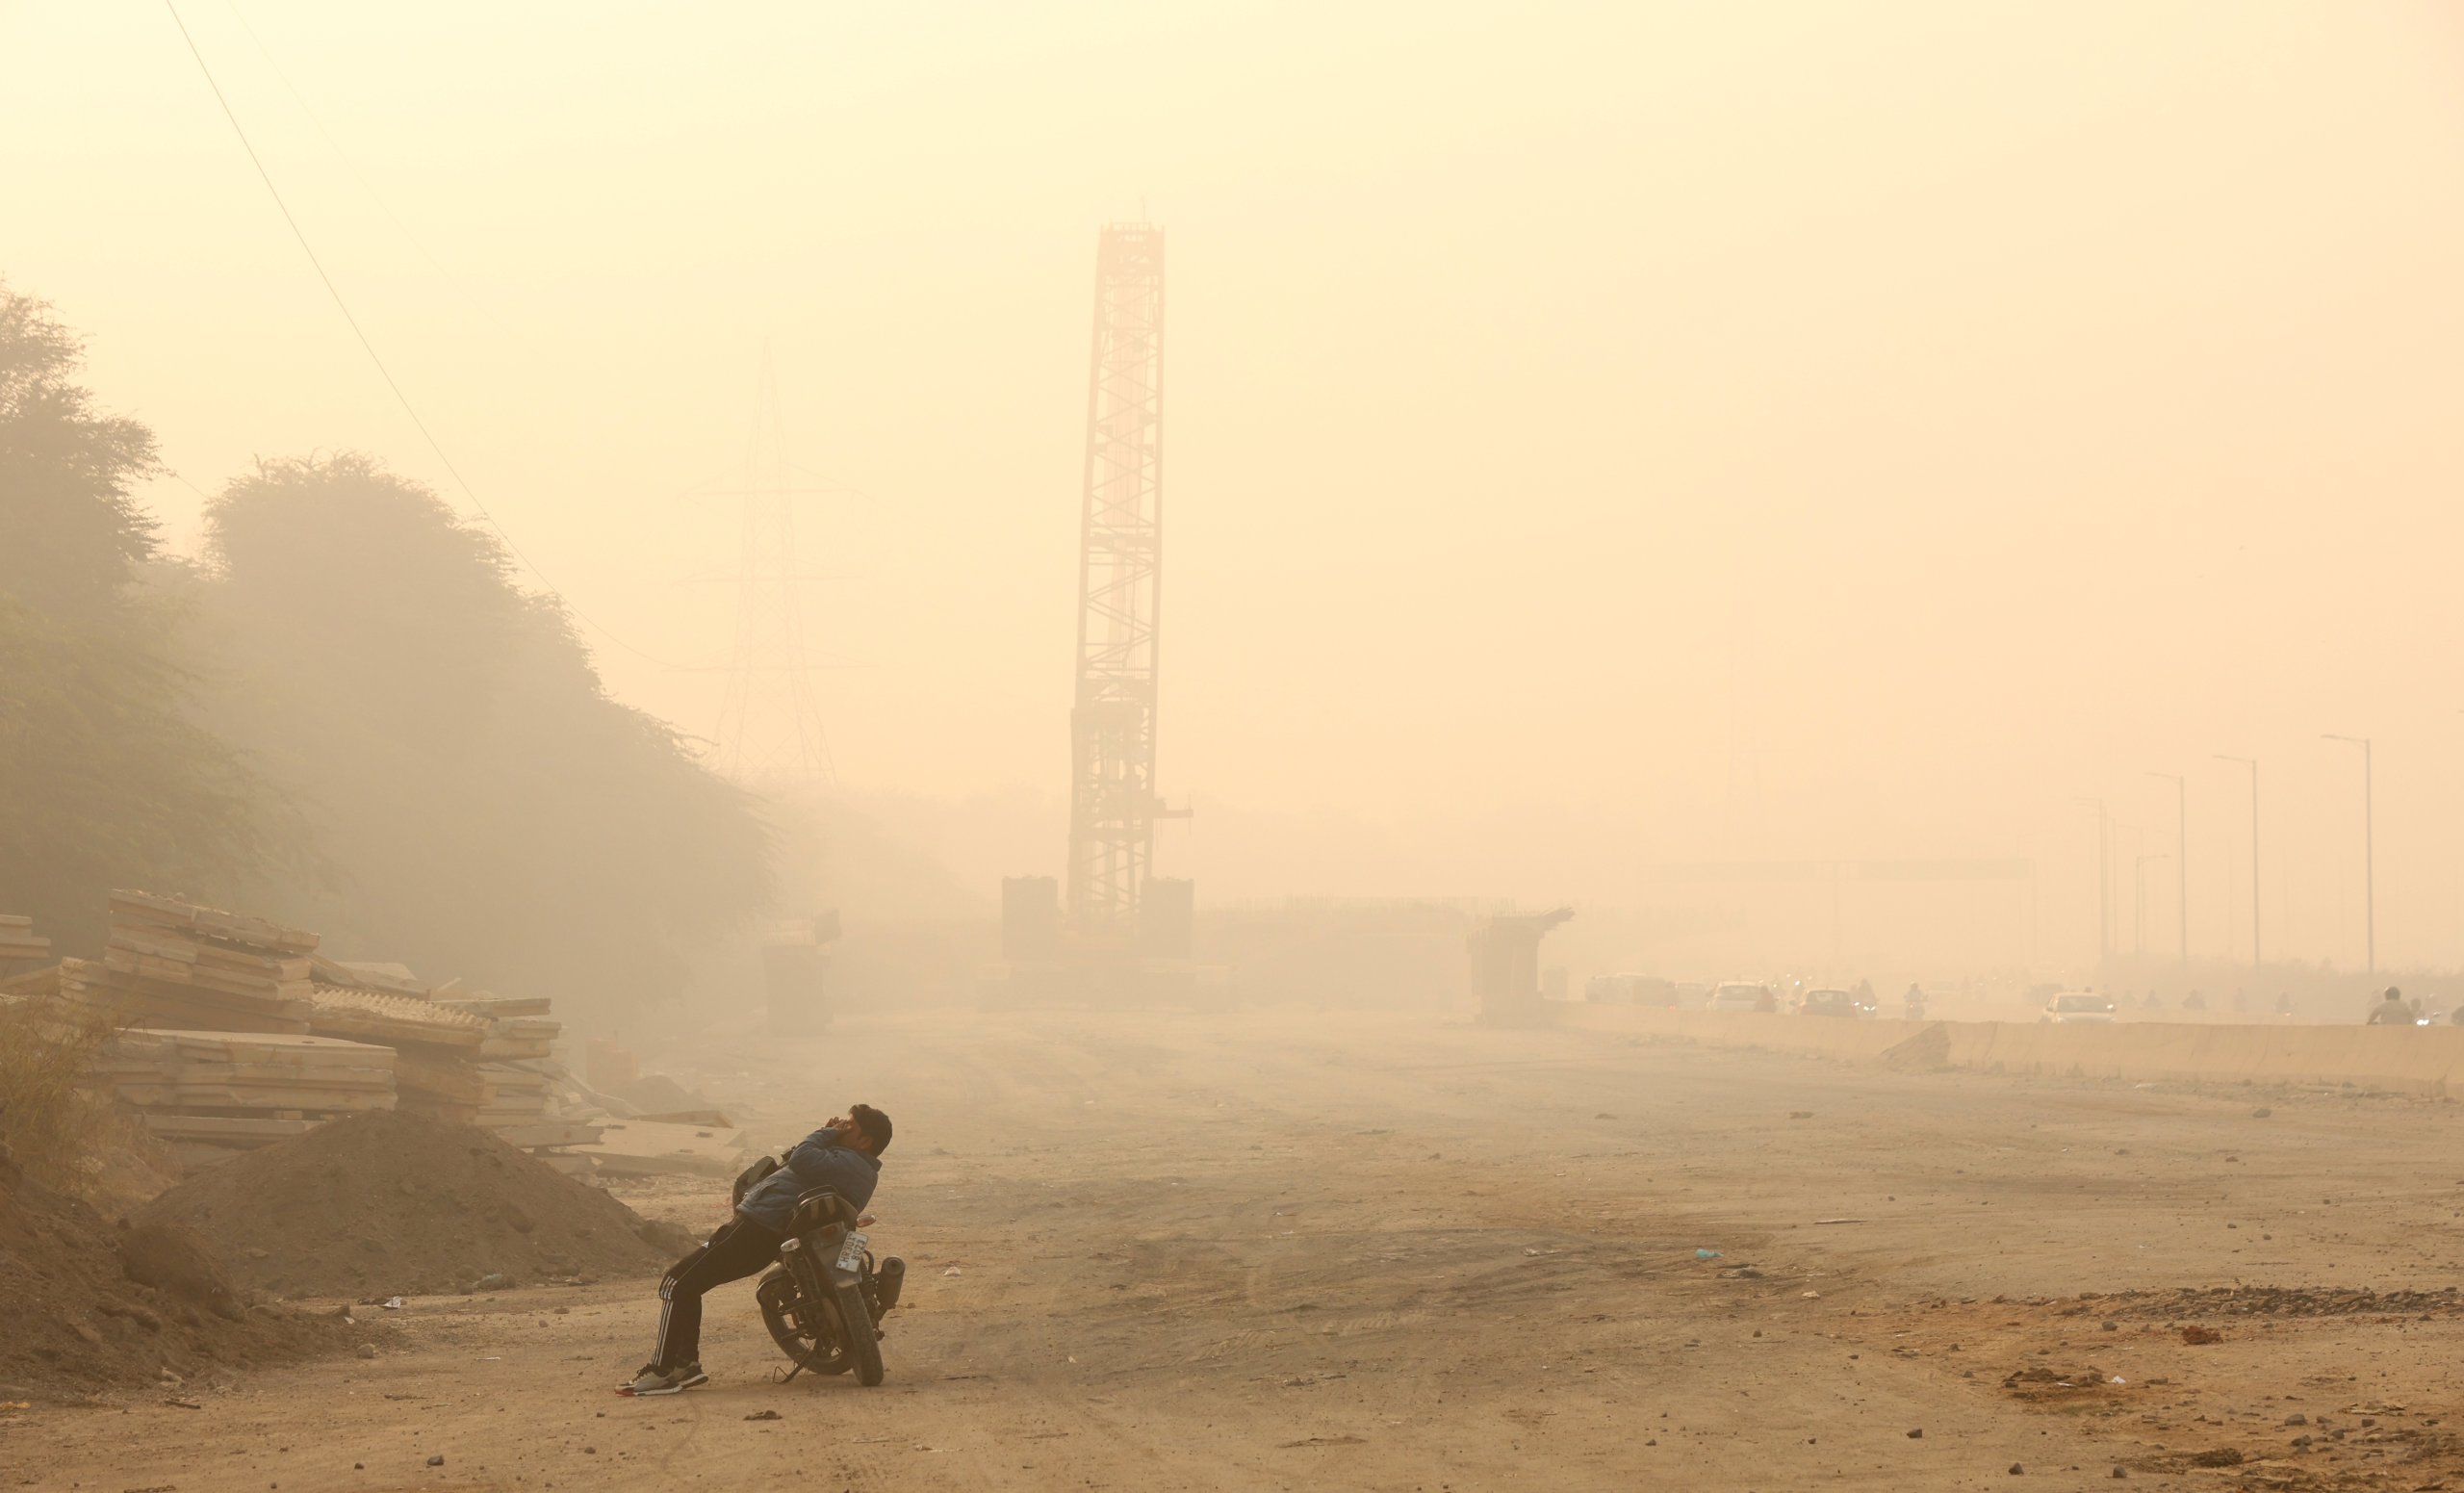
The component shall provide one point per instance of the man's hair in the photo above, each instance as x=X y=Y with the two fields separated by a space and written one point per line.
x=874 y=1123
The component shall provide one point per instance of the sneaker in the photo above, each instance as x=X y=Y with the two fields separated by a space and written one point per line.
x=656 y=1380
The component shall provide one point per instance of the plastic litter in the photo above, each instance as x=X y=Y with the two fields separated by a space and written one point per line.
x=1706 y=1254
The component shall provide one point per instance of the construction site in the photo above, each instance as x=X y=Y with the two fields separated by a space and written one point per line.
x=1757 y=864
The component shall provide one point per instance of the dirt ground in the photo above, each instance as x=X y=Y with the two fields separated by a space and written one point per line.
x=1162 y=1252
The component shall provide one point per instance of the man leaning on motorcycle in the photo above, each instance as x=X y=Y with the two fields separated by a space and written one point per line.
x=843 y=1155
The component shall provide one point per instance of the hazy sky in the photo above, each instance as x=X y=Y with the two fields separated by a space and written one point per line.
x=1596 y=434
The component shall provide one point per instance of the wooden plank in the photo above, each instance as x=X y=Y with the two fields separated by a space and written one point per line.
x=287 y=970
x=190 y=1015
x=221 y=982
x=255 y=1047
x=278 y=1096
x=174 y=1011
x=103 y=973
x=232 y=1127
x=260 y=1075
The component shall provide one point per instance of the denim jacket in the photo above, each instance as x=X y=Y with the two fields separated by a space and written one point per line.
x=818 y=1160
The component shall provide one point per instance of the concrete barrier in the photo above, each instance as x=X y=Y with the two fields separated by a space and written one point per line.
x=2421 y=1060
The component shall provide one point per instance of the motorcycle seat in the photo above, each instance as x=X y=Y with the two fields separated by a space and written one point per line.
x=820 y=1208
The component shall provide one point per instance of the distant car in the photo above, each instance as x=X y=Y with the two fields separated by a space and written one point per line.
x=1834 y=1003
x=2076 y=1009
x=1744 y=995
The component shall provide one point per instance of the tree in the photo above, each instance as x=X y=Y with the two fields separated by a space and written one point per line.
x=485 y=808
x=106 y=778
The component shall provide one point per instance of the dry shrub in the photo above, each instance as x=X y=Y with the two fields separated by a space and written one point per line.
x=55 y=1123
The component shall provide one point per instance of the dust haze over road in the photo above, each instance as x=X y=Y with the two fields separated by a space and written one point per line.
x=537 y=563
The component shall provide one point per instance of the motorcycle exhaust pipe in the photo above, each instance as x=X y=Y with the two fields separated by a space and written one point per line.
x=889 y=1279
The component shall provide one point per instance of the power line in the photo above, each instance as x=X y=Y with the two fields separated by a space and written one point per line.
x=340 y=154
x=370 y=348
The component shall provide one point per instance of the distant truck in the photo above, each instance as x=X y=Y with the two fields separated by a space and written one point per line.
x=1630 y=990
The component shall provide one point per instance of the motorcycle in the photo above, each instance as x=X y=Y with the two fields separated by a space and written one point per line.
x=825 y=1300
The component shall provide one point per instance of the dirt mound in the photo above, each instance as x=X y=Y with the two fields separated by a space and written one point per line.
x=91 y=1306
x=393 y=1204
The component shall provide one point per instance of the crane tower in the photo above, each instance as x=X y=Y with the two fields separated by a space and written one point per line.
x=1112 y=801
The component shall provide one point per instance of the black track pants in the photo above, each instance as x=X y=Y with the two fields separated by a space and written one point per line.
x=740 y=1248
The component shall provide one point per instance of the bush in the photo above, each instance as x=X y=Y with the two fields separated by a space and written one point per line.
x=54 y=1124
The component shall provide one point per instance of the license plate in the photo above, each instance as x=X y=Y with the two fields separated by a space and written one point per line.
x=851 y=1255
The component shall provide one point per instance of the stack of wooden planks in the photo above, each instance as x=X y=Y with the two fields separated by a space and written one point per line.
x=517 y=1065
x=208 y=1094
x=302 y=1037
x=176 y=965
x=481 y=1060
x=436 y=1049
x=19 y=940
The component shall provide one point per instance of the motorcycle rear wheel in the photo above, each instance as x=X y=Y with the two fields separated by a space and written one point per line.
x=776 y=1296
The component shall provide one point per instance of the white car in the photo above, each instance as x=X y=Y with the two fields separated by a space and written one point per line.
x=1744 y=995
x=2074 y=1008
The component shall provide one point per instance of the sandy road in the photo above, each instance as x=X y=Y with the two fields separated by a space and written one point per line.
x=1244 y=1253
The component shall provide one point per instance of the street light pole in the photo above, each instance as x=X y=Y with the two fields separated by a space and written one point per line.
x=2369 y=859
x=2252 y=763
x=2181 y=859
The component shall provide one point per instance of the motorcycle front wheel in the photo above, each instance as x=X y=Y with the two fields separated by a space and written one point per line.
x=864 y=1344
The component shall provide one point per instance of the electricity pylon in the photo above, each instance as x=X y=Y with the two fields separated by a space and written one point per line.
x=1112 y=801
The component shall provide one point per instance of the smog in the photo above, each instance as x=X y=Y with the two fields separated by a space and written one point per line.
x=1230 y=747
